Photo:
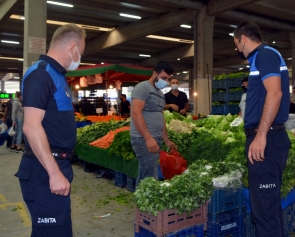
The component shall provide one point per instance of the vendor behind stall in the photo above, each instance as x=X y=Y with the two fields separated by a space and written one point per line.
x=125 y=106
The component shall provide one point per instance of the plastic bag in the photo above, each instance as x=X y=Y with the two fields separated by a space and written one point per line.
x=232 y=180
x=11 y=132
x=172 y=164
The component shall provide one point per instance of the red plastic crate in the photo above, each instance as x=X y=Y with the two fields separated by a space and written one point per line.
x=168 y=221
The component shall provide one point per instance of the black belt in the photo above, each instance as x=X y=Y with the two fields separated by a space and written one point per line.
x=273 y=128
x=58 y=155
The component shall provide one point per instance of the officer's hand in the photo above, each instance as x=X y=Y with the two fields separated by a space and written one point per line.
x=59 y=184
x=152 y=145
x=174 y=107
x=256 y=149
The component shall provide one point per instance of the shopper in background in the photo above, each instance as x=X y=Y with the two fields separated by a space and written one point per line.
x=125 y=106
x=45 y=170
x=176 y=100
x=267 y=143
x=7 y=119
x=242 y=104
x=147 y=125
x=17 y=117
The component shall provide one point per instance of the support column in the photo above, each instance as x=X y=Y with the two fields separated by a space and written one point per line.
x=2 y=84
x=203 y=60
x=34 y=31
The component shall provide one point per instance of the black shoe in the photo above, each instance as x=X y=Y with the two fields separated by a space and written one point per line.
x=18 y=150
x=12 y=149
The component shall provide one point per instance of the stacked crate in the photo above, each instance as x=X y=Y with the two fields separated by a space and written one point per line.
x=228 y=99
x=170 y=224
x=225 y=213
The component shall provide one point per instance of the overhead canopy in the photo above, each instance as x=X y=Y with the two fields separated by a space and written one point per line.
x=113 y=72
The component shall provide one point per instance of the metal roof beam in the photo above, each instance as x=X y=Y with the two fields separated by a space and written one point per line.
x=7 y=7
x=137 y=30
x=273 y=24
x=218 y=6
x=181 y=3
x=186 y=50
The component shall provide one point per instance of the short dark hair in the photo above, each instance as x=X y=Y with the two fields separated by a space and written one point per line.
x=250 y=30
x=163 y=66
x=18 y=94
x=123 y=95
x=244 y=79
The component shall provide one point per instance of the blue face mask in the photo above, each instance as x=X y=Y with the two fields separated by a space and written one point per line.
x=161 y=84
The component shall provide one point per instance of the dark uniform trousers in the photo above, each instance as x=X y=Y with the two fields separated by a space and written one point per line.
x=50 y=213
x=265 y=180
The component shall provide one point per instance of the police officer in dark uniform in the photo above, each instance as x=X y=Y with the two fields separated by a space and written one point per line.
x=45 y=171
x=267 y=143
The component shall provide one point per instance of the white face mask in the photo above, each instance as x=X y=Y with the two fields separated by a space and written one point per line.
x=74 y=65
x=174 y=87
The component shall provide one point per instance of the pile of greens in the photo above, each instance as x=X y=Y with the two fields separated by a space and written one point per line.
x=121 y=146
x=90 y=133
x=185 y=192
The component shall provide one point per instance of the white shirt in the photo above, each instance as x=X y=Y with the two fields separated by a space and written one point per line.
x=242 y=104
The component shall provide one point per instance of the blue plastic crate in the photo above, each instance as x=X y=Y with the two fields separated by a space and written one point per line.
x=226 y=227
x=233 y=109
x=131 y=184
x=235 y=82
x=219 y=84
x=144 y=233
x=219 y=109
x=219 y=96
x=120 y=179
x=194 y=231
x=225 y=200
x=217 y=216
x=249 y=227
x=235 y=95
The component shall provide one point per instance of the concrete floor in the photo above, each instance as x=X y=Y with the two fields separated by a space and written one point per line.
x=91 y=197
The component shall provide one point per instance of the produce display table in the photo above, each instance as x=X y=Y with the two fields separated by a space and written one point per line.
x=101 y=157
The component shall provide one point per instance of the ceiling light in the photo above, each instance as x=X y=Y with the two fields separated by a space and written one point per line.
x=273 y=42
x=195 y=93
x=178 y=59
x=87 y=64
x=236 y=49
x=12 y=68
x=102 y=63
x=170 y=39
x=185 y=26
x=60 y=4
x=185 y=72
x=19 y=59
x=111 y=86
x=241 y=68
x=16 y=77
x=9 y=42
x=289 y=58
x=145 y=55
x=22 y=18
x=247 y=66
x=231 y=34
x=77 y=86
x=130 y=16
x=177 y=73
x=88 y=27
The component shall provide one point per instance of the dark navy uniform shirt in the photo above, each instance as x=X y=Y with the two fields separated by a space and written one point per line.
x=180 y=100
x=53 y=95
x=265 y=62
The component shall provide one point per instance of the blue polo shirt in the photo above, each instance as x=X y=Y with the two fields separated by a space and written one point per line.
x=45 y=87
x=265 y=62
